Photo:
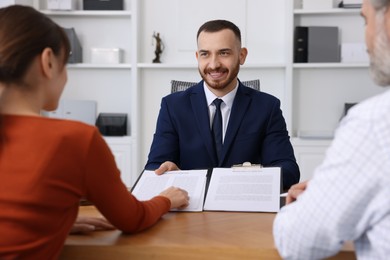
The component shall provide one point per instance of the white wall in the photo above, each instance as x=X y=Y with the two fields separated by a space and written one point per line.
x=178 y=21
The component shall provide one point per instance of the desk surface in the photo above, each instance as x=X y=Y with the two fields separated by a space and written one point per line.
x=202 y=235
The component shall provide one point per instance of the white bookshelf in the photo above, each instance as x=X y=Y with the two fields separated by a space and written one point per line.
x=319 y=90
x=312 y=94
x=113 y=86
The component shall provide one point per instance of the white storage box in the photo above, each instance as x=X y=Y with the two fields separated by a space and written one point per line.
x=4 y=3
x=318 y=4
x=61 y=4
x=79 y=110
x=106 y=55
x=354 y=52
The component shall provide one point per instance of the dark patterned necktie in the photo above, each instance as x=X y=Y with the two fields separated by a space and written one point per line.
x=217 y=127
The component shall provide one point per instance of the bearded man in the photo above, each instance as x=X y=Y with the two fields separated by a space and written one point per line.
x=348 y=197
x=219 y=122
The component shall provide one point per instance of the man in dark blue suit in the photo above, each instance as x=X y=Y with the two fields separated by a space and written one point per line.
x=253 y=127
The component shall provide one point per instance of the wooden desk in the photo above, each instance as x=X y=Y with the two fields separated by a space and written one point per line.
x=203 y=235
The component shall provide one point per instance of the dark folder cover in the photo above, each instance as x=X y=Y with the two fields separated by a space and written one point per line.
x=316 y=44
x=300 y=44
x=323 y=44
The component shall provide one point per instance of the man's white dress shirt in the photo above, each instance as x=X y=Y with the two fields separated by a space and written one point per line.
x=348 y=198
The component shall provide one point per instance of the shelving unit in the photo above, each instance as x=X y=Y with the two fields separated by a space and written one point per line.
x=319 y=90
x=312 y=94
x=322 y=109
x=113 y=86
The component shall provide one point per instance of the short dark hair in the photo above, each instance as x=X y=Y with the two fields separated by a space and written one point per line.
x=219 y=25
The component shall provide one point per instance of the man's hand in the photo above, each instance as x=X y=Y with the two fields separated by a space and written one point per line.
x=295 y=191
x=85 y=225
x=165 y=167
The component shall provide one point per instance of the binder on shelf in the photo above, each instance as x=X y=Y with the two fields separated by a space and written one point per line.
x=241 y=188
x=76 y=51
x=316 y=44
x=351 y=3
x=103 y=4
x=300 y=44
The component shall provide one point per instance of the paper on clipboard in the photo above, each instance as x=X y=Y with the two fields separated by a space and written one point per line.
x=254 y=189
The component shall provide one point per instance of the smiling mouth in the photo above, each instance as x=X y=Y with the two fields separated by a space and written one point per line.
x=216 y=75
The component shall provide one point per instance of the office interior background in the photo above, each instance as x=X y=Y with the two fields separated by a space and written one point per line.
x=313 y=95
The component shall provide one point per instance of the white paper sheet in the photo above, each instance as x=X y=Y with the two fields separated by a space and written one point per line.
x=193 y=181
x=244 y=190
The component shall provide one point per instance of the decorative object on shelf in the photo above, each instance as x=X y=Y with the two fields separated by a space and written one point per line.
x=61 y=5
x=159 y=47
x=76 y=51
x=316 y=44
x=103 y=4
x=4 y=3
x=112 y=124
x=106 y=55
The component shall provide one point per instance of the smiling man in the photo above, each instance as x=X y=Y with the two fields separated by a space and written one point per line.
x=220 y=122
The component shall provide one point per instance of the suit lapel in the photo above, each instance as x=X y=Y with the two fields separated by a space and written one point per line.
x=239 y=108
x=201 y=112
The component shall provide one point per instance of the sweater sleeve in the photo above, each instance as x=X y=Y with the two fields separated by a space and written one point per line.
x=106 y=190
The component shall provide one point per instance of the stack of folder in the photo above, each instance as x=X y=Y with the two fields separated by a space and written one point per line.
x=351 y=3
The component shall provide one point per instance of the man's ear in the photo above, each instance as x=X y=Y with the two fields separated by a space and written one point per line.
x=243 y=54
x=47 y=62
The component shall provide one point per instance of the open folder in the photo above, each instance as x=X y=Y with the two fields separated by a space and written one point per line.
x=251 y=189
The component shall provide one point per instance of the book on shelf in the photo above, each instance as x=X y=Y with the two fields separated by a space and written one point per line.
x=243 y=189
x=316 y=44
x=300 y=44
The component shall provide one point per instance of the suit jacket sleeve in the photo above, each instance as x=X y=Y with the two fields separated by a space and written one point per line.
x=165 y=145
x=277 y=149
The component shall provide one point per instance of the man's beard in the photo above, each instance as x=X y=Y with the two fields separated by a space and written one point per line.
x=380 y=56
x=222 y=84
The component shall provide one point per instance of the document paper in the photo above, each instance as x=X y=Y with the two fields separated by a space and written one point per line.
x=193 y=181
x=244 y=189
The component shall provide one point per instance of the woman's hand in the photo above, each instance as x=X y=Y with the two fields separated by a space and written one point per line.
x=84 y=225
